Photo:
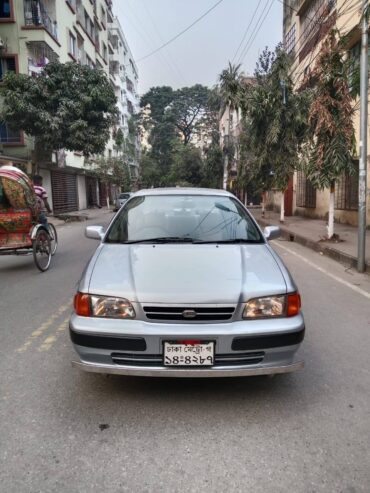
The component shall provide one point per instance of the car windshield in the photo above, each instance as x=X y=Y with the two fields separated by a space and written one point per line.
x=183 y=218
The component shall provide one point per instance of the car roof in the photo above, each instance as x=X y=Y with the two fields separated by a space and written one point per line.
x=183 y=191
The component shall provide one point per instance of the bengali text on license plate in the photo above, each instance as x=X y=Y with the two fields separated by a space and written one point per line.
x=188 y=354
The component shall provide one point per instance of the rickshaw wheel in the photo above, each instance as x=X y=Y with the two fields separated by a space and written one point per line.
x=53 y=238
x=42 y=250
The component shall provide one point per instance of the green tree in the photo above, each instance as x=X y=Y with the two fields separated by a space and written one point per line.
x=69 y=106
x=231 y=90
x=277 y=122
x=187 y=167
x=171 y=118
x=213 y=167
x=113 y=170
x=332 y=139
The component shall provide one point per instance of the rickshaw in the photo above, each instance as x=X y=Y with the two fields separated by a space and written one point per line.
x=20 y=231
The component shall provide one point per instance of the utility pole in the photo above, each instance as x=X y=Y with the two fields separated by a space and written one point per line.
x=363 y=143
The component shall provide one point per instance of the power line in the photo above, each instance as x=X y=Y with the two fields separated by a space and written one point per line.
x=247 y=29
x=255 y=31
x=171 y=62
x=180 y=33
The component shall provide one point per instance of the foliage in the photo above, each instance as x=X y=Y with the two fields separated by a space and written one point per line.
x=113 y=170
x=276 y=122
x=332 y=141
x=213 y=167
x=187 y=166
x=187 y=109
x=69 y=106
x=230 y=86
x=172 y=118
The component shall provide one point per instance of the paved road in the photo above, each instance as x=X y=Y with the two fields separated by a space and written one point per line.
x=65 y=431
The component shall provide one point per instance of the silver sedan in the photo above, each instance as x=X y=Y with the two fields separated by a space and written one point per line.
x=185 y=284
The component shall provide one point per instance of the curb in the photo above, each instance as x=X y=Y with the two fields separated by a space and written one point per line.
x=327 y=250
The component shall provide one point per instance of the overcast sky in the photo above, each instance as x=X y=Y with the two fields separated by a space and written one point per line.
x=200 y=54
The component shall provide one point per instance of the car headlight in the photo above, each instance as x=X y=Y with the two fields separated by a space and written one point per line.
x=103 y=306
x=273 y=306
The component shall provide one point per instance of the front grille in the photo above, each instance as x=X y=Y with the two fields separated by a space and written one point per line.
x=150 y=360
x=198 y=314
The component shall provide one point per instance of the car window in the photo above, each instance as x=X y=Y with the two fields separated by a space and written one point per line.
x=199 y=218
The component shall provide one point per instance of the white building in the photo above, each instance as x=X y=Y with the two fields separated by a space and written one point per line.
x=124 y=78
x=34 y=32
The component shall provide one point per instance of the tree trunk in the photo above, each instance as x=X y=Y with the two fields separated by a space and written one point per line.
x=245 y=198
x=41 y=156
x=331 y=212
x=282 y=207
x=263 y=203
x=226 y=165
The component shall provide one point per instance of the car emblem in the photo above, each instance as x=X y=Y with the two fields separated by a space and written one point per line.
x=189 y=313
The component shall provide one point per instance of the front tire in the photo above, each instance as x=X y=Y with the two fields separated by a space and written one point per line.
x=53 y=238
x=42 y=250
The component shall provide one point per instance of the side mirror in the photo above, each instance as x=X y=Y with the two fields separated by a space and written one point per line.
x=94 y=232
x=271 y=232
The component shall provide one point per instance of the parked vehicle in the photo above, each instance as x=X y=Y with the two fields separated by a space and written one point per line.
x=20 y=232
x=120 y=200
x=184 y=284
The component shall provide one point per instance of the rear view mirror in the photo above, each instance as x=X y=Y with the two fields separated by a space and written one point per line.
x=94 y=232
x=271 y=232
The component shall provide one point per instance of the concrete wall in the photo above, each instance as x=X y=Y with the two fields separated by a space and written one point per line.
x=46 y=183
x=81 y=187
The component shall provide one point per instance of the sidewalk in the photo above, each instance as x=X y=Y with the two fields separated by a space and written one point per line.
x=87 y=214
x=312 y=232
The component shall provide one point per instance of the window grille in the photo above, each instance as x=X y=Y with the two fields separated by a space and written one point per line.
x=290 y=39
x=306 y=193
x=346 y=191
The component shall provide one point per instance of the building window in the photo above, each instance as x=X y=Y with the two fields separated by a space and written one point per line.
x=5 y=9
x=7 y=64
x=103 y=16
x=72 y=3
x=306 y=193
x=89 y=62
x=105 y=51
x=290 y=39
x=72 y=45
x=315 y=13
x=130 y=85
x=9 y=136
x=346 y=191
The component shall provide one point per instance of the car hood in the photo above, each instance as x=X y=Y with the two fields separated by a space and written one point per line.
x=174 y=273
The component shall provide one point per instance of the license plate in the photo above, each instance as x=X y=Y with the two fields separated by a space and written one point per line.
x=188 y=354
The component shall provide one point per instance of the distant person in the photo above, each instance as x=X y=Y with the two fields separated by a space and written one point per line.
x=42 y=199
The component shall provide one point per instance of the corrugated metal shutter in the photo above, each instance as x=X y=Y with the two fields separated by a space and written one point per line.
x=64 y=189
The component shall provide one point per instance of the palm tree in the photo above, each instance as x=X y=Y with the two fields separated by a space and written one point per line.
x=231 y=91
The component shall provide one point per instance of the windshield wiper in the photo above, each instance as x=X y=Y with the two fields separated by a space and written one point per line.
x=163 y=239
x=235 y=240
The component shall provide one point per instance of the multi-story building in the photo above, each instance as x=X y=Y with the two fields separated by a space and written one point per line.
x=306 y=23
x=32 y=33
x=124 y=78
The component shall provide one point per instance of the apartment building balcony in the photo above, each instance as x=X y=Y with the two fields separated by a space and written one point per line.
x=41 y=16
x=114 y=57
x=39 y=54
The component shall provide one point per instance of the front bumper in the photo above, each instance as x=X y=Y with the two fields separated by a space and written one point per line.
x=186 y=372
x=269 y=345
